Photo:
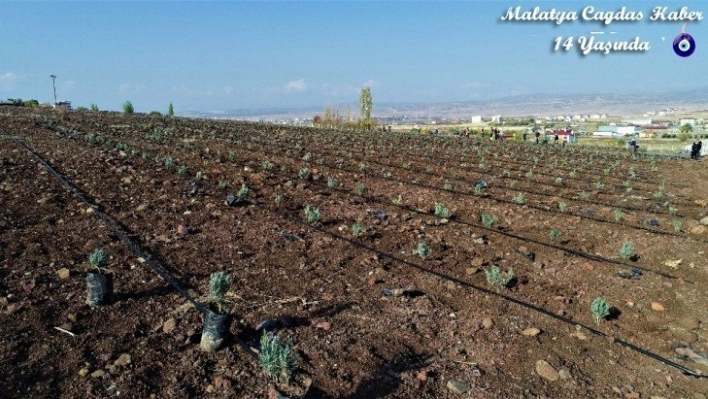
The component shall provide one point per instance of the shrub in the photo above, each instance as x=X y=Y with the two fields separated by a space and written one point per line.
x=619 y=215
x=332 y=183
x=128 y=107
x=277 y=358
x=488 y=220
x=626 y=250
x=219 y=284
x=496 y=278
x=267 y=165
x=677 y=225
x=94 y=107
x=554 y=234
x=242 y=192
x=98 y=259
x=356 y=229
x=441 y=211
x=169 y=162
x=312 y=214
x=278 y=199
x=360 y=188
x=422 y=250
x=171 y=110
x=304 y=173
x=559 y=180
x=448 y=186
x=562 y=206
x=519 y=199
x=600 y=309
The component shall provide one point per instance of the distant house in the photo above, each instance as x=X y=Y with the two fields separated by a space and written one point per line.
x=497 y=119
x=639 y=122
x=566 y=135
x=476 y=119
x=616 y=131
x=687 y=121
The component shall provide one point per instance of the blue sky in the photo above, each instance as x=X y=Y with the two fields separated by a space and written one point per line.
x=207 y=56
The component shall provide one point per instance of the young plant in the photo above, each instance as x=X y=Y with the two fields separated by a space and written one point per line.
x=554 y=234
x=304 y=173
x=360 y=188
x=277 y=358
x=332 y=182
x=182 y=170
x=242 y=192
x=223 y=184
x=219 y=284
x=626 y=250
x=559 y=181
x=677 y=225
x=169 y=162
x=519 y=199
x=447 y=186
x=673 y=211
x=600 y=309
x=278 y=199
x=398 y=201
x=307 y=157
x=356 y=229
x=599 y=185
x=488 y=220
x=659 y=193
x=496 y=278
x=98 y=259
x=441 y=211
x=363 y=167
x=267 y=165
x=422 y=250
x=619 y=215
x=199 y=176
x=312 y=214
x=562 y=206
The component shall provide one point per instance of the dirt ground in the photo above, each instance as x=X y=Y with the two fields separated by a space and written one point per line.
x=449 y=334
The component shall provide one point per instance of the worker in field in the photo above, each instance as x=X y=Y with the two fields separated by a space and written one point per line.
x=695 y=150
x=632 y=146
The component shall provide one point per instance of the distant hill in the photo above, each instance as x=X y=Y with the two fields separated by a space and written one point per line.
x=531 y=104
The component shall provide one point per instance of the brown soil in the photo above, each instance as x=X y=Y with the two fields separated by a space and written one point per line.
x=325 y=289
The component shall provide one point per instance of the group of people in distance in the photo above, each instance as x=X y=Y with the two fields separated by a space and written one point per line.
x=696 y=149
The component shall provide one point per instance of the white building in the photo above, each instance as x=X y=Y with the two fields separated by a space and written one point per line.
x=476 y=119
x=687 y=121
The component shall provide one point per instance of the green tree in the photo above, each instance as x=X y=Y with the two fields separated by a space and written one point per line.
x=94 y=107
x=31 y=103
x=171 y=111
x=128 y=107
x=365 y=106
x=685 y=132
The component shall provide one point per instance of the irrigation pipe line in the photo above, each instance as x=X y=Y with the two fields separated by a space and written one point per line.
x=527 y=305
x=537 y=207
x=114 y=228
x=507 y=234
x=512 y=235
x=127 y=241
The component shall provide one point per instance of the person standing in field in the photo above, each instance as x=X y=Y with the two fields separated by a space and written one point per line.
x=698 y=152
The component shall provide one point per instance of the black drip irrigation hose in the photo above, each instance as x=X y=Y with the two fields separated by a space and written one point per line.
x=685 y=370
x=527 y=305
x=127 y=241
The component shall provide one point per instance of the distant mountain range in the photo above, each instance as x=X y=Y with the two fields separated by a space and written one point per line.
x=521 y=105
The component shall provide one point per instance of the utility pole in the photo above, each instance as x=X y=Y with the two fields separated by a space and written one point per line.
x=54 y=84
